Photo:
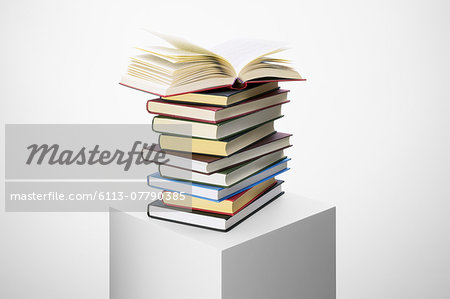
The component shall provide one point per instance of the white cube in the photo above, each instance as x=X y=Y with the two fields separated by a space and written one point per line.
x=286 y=250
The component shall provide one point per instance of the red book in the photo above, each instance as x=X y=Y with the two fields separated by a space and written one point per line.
x=214 y=114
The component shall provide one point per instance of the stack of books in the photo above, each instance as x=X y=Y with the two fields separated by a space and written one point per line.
x=215 y=115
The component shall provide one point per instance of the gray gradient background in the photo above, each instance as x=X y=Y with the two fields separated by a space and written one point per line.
x=371 y=127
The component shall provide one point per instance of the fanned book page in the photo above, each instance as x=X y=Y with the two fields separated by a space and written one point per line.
x=241 y=52
x=186 y=67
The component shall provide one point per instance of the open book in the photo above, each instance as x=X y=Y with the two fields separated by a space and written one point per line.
x=185 y=67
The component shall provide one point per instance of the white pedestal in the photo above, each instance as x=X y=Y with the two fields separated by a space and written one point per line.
x=286 y=250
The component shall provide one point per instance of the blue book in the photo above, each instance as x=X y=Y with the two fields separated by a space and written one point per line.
x=216 y=193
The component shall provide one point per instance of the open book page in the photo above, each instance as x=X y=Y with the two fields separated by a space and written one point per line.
x=156 y=62
x=182 y=44
x=240 y=52
x=172 y=54
x=185 y=46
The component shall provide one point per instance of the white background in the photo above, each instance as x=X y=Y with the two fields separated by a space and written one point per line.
x=371 y=127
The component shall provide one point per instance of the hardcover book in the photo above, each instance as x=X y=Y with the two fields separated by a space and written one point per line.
x=224 y=178
x=158 y=210
x=210 y=164
x=170 y=125
x=216 y=193
x=186 y=67
x=224 y=96
x=224 y=147
x=229 y=206
x=214 y=114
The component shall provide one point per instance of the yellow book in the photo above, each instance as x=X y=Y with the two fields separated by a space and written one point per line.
x=225 y=96
x=223 y=147
x=228 y=206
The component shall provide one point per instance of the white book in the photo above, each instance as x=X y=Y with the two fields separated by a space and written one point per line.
x=225 y=178
x=169 y=125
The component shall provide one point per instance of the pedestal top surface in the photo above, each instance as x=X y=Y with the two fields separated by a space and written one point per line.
x=287 y=209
